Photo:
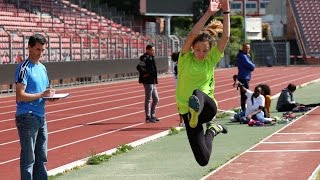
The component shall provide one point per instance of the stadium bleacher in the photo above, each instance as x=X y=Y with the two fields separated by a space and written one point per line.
x=75 y=32
x=307 y=23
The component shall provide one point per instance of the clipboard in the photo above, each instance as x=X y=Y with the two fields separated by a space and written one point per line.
x=57 y=96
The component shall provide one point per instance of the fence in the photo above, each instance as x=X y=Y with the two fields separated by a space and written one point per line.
x=82 y=47
x=266 y=54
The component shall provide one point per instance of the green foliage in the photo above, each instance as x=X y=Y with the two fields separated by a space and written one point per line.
x=234 y=49
x=98 y=159
x=222 y=115
x=181 y=26
x=123 y=149
x=199 y=8
x=173 y=131
x=237 y=110
x=236 y=37
x=236 y=22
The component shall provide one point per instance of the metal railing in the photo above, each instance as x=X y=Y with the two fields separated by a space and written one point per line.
x=13 y=47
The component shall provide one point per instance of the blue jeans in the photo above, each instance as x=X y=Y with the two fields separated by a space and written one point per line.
x=150 y=91
x=33 y=136
x=260 y=117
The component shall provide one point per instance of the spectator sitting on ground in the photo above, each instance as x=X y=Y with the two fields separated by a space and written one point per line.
x=255 y=104
x=266 y=92
x=286 y=101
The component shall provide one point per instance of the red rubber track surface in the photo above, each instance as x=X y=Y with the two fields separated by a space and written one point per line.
x=100 y=117
x=292 y=153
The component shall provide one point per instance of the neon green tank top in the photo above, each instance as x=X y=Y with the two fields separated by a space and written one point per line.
x=193 y=74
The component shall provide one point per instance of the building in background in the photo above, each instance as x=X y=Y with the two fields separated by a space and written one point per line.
x=253 y=7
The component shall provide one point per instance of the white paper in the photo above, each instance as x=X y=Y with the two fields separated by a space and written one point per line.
x=61 y=95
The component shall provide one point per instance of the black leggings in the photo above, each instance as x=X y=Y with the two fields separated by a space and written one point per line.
x=200 y=142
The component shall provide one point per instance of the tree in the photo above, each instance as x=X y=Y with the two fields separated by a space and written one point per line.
x=181 y=26
x=199 y=8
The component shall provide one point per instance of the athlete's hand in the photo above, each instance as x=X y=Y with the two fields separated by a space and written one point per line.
x=214 y=6
x=225 y=5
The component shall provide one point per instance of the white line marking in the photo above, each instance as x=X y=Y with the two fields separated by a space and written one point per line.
x=89 y=138
x=311 y=133
x=233 y=159
x=290 y=142
x=288 y=150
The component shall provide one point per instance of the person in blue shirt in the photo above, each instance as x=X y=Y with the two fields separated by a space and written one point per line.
x=245 y=67
x=31 y=87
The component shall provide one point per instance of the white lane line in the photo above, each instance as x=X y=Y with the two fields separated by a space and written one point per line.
x=95 y=96
x=289 y=142
x=98 y=121
x=92 y=137
x=288 y=150
x=171 y=84
x=98 y=103
x=250 y=149
x=136 y=143
x=307 y=133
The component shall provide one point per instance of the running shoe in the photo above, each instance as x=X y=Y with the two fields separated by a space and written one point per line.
x=216 y=128
x=150 y=120
x=194 y=105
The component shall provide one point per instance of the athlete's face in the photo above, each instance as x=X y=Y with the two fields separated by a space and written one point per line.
x=201 y=49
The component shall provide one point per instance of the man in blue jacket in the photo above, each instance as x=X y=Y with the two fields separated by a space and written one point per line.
x=245 y=67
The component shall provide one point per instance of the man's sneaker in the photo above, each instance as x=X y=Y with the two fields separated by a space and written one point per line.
x=155 y=119
x=194 y=105
x=216 y=128
x=150 y=120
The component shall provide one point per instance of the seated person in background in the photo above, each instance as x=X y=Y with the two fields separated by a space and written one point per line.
x=255 y=104
x=266 y=92
x=286 y=101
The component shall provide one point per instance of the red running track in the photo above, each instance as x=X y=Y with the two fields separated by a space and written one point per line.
x=291 y=153
x=100 y=117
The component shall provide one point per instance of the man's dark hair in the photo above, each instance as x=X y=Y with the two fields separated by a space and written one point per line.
x=292 y=87
x=37 y=38
x=149 y=46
